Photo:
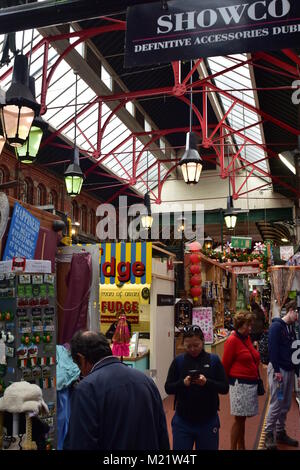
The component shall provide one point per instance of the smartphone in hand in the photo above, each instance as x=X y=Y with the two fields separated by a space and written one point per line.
x=194 y=374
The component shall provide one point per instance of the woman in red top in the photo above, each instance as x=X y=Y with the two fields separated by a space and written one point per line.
x=241 y=361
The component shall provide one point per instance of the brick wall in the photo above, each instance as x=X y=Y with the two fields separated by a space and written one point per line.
x=11 y=169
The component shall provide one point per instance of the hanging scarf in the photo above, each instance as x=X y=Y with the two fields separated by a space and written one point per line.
x=121 y=335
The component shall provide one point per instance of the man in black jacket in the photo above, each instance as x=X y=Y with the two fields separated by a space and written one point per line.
x=114 y=407
x=196 y=378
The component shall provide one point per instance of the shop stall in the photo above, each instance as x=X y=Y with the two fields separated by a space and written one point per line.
x=28 y=312
x=211 y=289
x=132 y=278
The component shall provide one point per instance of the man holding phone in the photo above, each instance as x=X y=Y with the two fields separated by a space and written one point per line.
x=196 y=378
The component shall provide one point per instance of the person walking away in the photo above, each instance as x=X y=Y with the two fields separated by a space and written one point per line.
x=258 y=321
x=114 y=407
x=241 y=362
x=196 y=378
x=281 y=373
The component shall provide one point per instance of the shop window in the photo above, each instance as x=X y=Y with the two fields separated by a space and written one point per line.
x=92 y=222
x=84 y=219
x=41 y=195
x=27 y=193
x=4 y=177
x=75 y=212
x=53 y=198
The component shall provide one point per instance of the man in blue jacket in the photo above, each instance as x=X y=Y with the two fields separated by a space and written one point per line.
x=281 y=372
x=114 y=407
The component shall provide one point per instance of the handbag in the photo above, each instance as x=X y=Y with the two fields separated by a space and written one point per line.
x=260 y=385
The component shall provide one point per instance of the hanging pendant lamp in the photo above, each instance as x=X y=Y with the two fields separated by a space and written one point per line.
x=28 y=152
x=191 y=163
x=230 y=216
x=20 y=106
x=147 y=219
x=73 y=174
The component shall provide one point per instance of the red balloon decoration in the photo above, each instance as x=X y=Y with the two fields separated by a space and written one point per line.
x=195 y=280
x=194 y=258
x=196 y=291
x=195 y=269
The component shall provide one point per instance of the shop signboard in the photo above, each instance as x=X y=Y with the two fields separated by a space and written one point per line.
x=244 y=243
x=286 y=252
x=202 y=316
x=125 y=263
x=246 y=270
x=115 y=299
x=164 y=300
x=23 y=234
x=191 y=29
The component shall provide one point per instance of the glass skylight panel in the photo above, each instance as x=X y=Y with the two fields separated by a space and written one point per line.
x=240 y=116
x=130 y=107
x=80 y=47
x=106 y=78
x=60 y=109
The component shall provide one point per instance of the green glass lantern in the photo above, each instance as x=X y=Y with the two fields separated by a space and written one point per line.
x=28 y=152
x=74 y=176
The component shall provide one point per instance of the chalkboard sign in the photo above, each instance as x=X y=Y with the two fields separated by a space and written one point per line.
x=23 y=234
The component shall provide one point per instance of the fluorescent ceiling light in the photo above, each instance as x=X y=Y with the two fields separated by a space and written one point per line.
x=290 y=166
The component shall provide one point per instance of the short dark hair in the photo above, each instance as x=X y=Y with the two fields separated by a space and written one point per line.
x=241 y=318
x=291 y=305
x=92 y=345
x=193 y=330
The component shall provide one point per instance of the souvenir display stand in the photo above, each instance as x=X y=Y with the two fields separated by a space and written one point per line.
x=28 y=333
x=215 y=295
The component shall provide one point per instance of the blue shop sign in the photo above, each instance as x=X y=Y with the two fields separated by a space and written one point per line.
x=23 y=234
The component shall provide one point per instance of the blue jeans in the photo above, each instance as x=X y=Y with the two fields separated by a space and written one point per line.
x=205 y=435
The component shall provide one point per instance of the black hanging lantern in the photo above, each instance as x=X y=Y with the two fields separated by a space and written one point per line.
x=28 y=152
x=74 y=176
x=147 y=219
x=191 y=163
x=230 y=216
x=20 y=106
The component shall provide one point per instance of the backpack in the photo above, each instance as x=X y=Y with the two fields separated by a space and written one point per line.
x=214 y=358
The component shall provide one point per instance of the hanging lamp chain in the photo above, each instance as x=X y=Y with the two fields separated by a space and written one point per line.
x=75 y=118
x=191 y=96
x=30 y=55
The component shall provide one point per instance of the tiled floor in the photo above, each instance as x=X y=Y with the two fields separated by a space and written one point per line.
x=253 y=425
